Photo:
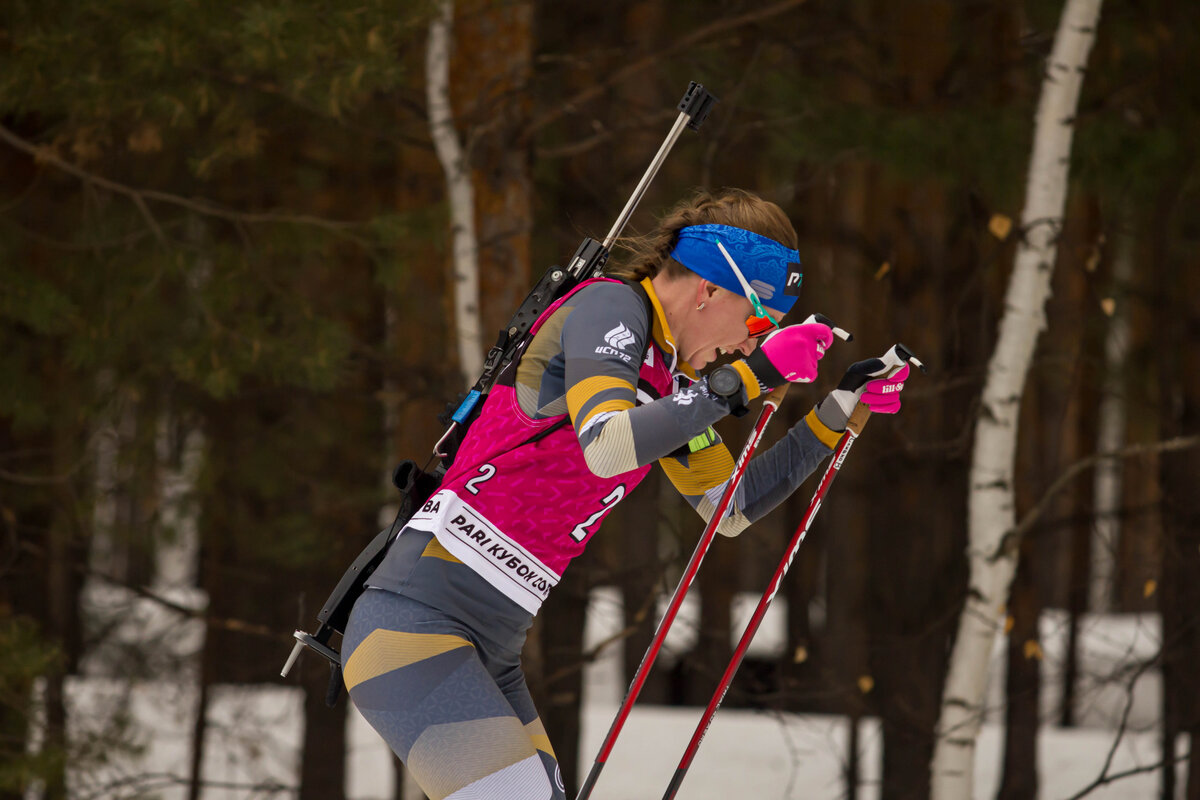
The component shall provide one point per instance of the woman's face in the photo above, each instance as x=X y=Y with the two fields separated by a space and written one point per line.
x=719 y=327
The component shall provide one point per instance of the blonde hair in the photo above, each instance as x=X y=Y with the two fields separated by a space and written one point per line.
x=648 y=254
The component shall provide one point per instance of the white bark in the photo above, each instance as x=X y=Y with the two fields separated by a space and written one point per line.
x=460 y=192
x=991 y=516
x=177 y=539
x=104 y=553
x=1110 y=437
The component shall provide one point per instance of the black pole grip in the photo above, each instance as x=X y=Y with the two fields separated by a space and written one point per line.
x=696 y=103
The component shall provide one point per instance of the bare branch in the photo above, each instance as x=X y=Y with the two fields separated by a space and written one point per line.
x=607 y=133
x=1116 y=776
x=151 y=781
x=697 y=36
x=221 y=623
x=108 y=244
x=199 y=206
x=62 y=477
x=1032 y=516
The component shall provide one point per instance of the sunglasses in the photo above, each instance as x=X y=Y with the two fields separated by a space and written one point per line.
x=760 y=323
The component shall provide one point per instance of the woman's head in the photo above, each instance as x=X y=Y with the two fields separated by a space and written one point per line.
x=651 y=254
x=706 y=257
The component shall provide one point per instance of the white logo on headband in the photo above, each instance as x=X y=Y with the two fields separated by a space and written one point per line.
x=764 y=290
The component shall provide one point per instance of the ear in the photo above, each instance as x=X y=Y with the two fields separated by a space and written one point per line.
x=705 y=291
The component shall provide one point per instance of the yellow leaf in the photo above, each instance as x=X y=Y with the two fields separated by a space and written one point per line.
x=335 y=108
x=85 y=146
x=1150 y=588
x=374 y=40
x=249 y=138
x=145 y=139
x=801 y=655
x=356 y=77
x=1008 y=624
x=1000 y=225
x=884 y=269
x=1033 y=649
x=865 y=683
x=1108 y=305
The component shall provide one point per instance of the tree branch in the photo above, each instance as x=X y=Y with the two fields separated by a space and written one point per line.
x=629 y=70
x=1116 y=776
x=62 y=477
x=150 y=781
x=200 y=206
x=221 y=623
x=1013 y=537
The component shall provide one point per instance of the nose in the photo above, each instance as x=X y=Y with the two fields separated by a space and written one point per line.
x=747 y=347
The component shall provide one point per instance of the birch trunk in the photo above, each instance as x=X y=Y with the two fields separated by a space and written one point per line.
x=991 y=551
x=177 y=541
x=461 y=195
x=1111 y=437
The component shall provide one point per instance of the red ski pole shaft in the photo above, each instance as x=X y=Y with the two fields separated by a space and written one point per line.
x=853 y=428
x=770 y=406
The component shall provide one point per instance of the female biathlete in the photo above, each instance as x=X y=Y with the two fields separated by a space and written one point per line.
x=607 y=385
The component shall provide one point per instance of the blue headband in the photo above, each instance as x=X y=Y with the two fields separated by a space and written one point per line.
x=772 y=270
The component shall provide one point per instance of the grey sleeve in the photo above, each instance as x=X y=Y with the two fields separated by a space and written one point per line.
x=619 y=425
x=774 y=475
x=769 y=478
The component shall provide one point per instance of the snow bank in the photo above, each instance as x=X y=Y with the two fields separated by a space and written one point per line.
x=252 y=748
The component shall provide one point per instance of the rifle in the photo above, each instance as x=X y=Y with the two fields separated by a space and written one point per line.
x=414 y=483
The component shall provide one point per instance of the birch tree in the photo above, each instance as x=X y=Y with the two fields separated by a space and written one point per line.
x=992 y=547
x=1110 y=435
x=459 y=190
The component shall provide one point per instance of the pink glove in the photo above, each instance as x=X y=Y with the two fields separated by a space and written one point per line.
x=882 y=395
x=859 y=385
x=790 y=354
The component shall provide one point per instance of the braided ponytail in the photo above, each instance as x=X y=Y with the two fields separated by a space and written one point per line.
x=651 y=253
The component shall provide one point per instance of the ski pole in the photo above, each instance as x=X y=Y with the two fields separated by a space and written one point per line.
x=896 y=357
x=770 y=406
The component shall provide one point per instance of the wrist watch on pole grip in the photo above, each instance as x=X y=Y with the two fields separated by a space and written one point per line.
x=726 y=382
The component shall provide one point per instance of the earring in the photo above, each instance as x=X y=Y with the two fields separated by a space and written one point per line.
x=701 y=306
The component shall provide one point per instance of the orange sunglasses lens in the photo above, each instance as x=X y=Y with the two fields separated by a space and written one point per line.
x=759 y=326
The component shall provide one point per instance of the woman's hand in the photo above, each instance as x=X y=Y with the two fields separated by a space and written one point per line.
x=790 y=354
x=873 y=382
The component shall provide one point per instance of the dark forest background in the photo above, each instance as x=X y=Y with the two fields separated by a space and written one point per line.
x=225 y=224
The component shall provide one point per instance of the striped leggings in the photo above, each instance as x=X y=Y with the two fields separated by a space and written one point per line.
x=454 y=708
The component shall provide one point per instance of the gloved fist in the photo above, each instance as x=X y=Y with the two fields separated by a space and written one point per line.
x=790 y=354
x=873 y=382
x=882 y=395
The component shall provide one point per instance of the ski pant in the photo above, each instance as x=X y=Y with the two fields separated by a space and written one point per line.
x=453 y=707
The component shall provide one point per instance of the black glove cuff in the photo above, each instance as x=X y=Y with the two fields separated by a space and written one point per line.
x=764 y=370
x=857 y=376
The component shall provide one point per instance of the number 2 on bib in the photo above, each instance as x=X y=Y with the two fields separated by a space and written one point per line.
x=486 y=473
x=581 y=531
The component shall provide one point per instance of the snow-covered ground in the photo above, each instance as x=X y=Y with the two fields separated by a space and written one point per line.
x=255 y=733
